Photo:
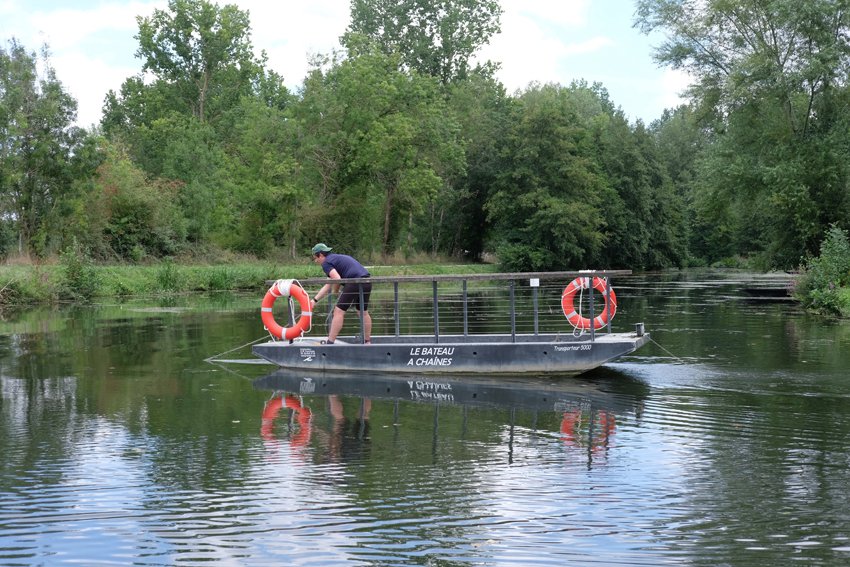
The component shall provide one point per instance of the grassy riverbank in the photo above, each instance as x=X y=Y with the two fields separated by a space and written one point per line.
x=75 y=280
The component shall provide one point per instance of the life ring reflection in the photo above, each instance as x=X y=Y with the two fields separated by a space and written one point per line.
x=303 y=419
x=576 y=431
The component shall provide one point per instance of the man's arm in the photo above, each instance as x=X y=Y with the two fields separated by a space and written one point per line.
x=326 y=289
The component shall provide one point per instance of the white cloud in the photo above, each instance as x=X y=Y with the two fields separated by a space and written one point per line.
x=66 y=28
x=559 y=12
x=588 y=46
x=292 y=33
x=674 y=82
x=90 y=88
x=537 y=38
x=91 y=49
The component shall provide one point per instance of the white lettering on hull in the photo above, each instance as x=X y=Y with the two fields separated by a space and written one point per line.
x=569 y=348
x=431 y=356
x=433 y=361
x=432 y=351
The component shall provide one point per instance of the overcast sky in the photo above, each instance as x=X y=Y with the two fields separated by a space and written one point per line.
x=92 y=46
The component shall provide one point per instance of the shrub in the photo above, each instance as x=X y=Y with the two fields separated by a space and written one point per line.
x=220 y=279
x=819 y=284
x=7 y=237
x=168 y=276
x=79 y=276
x=10 y=293
x=523 y=258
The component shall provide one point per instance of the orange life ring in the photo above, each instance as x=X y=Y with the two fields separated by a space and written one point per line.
x=286 y=288
x=575 y=319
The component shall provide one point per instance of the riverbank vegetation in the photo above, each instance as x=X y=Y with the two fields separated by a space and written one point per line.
x=75 y=278
x=404 y=144
x=71 y=281
x=824 y=283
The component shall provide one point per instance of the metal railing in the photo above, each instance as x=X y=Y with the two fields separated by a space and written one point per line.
x=512 y=278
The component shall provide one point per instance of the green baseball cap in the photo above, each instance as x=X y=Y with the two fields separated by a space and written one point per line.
x=321 y=247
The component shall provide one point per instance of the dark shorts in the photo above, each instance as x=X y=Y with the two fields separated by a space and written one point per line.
x=351 y=296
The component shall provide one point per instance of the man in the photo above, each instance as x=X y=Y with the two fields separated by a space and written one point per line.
x=337 y=266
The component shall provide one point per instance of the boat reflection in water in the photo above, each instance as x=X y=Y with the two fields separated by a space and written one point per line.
x=303 y=408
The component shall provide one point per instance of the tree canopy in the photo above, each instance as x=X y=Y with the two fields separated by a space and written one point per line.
x=202 y=52
x=434 y=37
x=770 y=81
x=401 y=146
x=38 y=147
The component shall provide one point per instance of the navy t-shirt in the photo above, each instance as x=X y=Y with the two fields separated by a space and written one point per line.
x=346 y=266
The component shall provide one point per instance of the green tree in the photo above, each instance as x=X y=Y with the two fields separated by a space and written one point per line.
x=823 y=282
x=124 y=214
x=269 y=197
x=770 y=80
x=183 y=150
x=329 y=118
x=377 y=140
x=434 y=37
x=484 y=111
x=581 y=187
x=644 y=224
x=681 y=143
x=202 y=61
x=546 y=208
x=188 y=126
x=666 y=217
x=202 y=51
x=37 y=142
x=135 y=105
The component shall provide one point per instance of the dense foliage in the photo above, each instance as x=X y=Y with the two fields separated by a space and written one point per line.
x=771 y=92
x=824 y=282
x=42 y=155
x=401 y=146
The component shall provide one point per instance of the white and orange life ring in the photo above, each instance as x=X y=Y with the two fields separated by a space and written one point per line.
x=286 y=288
x=575 y=318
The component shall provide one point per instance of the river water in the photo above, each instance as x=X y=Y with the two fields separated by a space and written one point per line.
x=725 y=441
